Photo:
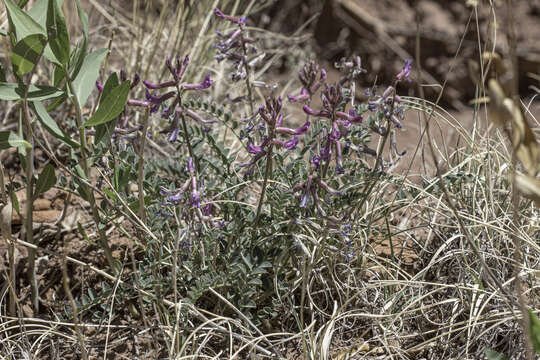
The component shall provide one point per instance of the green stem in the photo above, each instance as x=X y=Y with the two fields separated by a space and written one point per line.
x=267 y=172
x=86 y=168
x=248 y=77
x=140 y=176
x=28 y=223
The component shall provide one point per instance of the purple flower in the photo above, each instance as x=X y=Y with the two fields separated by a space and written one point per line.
x=316 y=161
x=321 y=113
x=254 y=149
x=240 y=21
x=192 y=114
x=157 y=100
x=303 y=96
x=190 y=166
x=150 y=85
x=195 y=199
x=351 y=116
x=318 y=84
x=207 y=209
x=289 y=131
x=291 y=144
x=207 y=82
x=396 y=121
x=138 y=103
x=404 y=74
x=173 y=135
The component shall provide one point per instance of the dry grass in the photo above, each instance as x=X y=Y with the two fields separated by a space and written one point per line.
x=435 y=304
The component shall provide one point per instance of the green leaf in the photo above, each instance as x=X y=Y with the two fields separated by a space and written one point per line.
x=535 y=331
x=85 y=81
x=3 y=32
x=12 y=91
x=493 y=355
x=46 y=180
x=58 y=75
x=48 y=122
x=111 y=106
x=110 y=84
x=10 y=139
x=58 y=32
x=84 y=19
x=23 y=24
x=80 y=52
x=27 y=52
x=38 y=12
x=105 y=131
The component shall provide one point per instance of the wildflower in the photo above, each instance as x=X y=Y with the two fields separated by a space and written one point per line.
x=205 y=84
x=271 y=114
x=237 y=47
x=309 y=192
x=404 y=74
x=241 y=21
x=308 y=77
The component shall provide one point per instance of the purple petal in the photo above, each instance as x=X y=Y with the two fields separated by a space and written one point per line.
x=254 y=149
x=291 y=144
x=207 y=82
x=303 y=96
x=404 y=74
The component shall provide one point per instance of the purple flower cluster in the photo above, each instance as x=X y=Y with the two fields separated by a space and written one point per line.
x=174 y=196
x=271 y=114
x=309 y=191
x=389 y=104
x=333 y=109
x=236 y=47
x=176 y=108
x=310 y=84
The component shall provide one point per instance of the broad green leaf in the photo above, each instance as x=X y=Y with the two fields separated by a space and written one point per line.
x=535 y=331
x=38 y=12
x=10 y=139
x=111 y=83
x=26 y=53
x=46 y=180
x=105 y=131
x=12 y=91
x=85 y=81
x=3 y=32
x=58 y=32
x=48 y=122
x=111 y=106
x=23 y=24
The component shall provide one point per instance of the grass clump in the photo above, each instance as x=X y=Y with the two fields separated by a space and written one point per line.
x=225 y=216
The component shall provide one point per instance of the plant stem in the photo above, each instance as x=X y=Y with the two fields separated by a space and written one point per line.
x=76 y=324
x=267 y=172
x=248 y=76
x=188 y=142
x=28 y=222
x=86 y=168
x=140 y=176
